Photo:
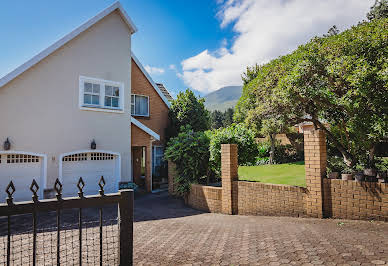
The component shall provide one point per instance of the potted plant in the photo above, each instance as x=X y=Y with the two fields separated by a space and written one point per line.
x=347 y=173
x=335 y=166
x=359 y=176
x=382 y=176
x=370 y=172
x=333 y=175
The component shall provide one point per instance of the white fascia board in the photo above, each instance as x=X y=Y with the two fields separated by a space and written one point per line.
x=150 y=80
x=144 y=128
x=49 y=50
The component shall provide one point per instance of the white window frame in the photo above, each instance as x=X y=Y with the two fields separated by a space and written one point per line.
x=148 y=100
x=101 y=107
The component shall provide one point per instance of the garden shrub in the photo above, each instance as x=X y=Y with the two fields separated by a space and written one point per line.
x=283 y=153
x=263 y=149
x=335 y=164
x=262 y=160
x=287 y=154
x=190 y=152
x=234 y=134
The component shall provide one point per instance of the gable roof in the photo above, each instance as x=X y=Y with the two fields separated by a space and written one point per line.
x=144 y=128
x=165 y=91
x=52 y=48
x=156 y=88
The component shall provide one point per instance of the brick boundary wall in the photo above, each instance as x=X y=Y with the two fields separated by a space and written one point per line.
x=269 y=199
x=321 y=198
x=205 y=198
x=355 y=200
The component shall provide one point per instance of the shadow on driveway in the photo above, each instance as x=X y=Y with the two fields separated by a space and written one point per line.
x=147 y=207
x=160 y=206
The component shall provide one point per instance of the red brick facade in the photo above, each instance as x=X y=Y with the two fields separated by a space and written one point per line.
x=157 y=122
x=321 y=198
x=158 y=119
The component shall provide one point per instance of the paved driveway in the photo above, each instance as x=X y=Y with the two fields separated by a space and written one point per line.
x=167 y=232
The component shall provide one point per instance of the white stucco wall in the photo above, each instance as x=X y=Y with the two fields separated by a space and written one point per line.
x=39 y=110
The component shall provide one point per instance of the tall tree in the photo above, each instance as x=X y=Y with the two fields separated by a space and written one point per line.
x=228 y=117
x=378 y=10
x=339 y=83
x=216 y=118
x=187 y=109
x=250 y=74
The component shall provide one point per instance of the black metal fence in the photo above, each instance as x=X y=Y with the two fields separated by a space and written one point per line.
x=103 y=242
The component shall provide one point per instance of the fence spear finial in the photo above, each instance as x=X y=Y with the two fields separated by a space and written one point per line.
x=58 y=189
x=80 y=185
x=101 y=184
x=10 y=190
x=34 y=189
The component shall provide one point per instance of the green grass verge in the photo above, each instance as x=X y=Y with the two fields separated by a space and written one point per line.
x=288 y=174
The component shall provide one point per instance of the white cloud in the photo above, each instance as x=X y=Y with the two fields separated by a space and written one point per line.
x=172 y=67
x=154 y=70
x=265 y=30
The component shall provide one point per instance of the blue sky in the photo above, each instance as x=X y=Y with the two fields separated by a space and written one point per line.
x=168 y=31
x=197 y=44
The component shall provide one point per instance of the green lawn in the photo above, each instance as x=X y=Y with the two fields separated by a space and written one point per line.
x=288 y=174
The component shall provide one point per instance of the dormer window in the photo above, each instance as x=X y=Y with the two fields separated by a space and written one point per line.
x=139 y=105
x=101 y=95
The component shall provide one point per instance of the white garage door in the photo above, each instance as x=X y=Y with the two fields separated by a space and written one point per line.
x=90 y=166
x=21 y=169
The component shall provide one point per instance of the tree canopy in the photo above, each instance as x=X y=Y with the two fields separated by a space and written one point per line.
x=337 y=82
x=221 y=119
x=378 y=10
x=190 y=110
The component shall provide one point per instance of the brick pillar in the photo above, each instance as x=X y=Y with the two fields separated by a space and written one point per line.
x=171 y=178
x=315 y=164
x=229 y=167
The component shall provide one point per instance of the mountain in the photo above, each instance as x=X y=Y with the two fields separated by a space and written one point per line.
x=223 y=98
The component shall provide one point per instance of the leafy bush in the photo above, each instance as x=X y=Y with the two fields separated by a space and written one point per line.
x=190 y=152
x=262 y=160
x=283 y=153
x=263 y=149
x=234 y=134
x=187 y=109
x=287 y=154
x=335 y=164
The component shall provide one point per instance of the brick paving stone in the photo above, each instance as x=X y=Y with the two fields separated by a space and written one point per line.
x=245 y=240
x=166 y=232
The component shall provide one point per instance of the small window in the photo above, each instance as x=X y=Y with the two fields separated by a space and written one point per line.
x=98 y=156
x=91 y=93
x=22 y=158
x=112 y=96
x=139 y=105
x=75 y=157
x=101 y=95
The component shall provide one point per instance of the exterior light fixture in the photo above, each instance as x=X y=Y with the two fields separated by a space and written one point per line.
x=7 y=145
x=93 y=145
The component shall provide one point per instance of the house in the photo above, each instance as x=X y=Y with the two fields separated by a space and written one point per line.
x=83 y=107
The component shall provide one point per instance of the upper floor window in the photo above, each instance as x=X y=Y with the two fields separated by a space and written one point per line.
x=101 y=95
x=139 y=105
